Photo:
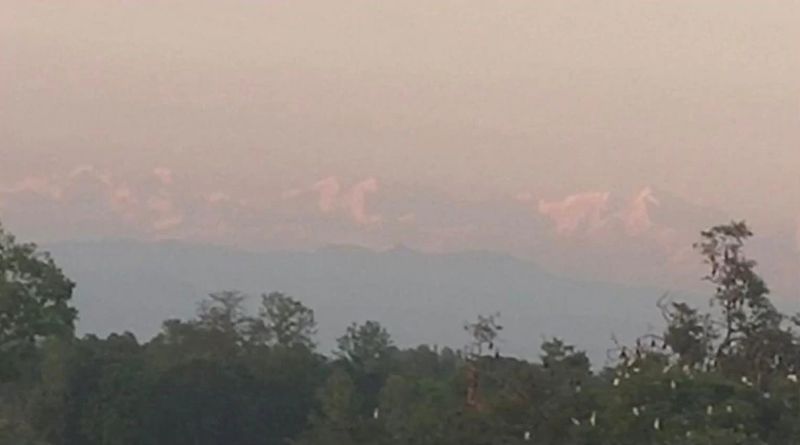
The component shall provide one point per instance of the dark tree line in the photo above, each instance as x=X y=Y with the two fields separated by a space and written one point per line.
x=228 y=376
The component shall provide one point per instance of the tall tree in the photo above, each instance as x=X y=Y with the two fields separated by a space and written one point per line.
x=224 y=312
x=364 y=344
x=285 y=322
x=34 y=301
x=221 y=329
x=751 y=333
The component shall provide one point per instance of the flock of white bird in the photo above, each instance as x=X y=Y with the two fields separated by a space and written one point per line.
x=637 y=411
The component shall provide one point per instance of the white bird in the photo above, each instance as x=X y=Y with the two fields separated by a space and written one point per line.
x=527 y=436
x=376 y=414
x=616 y=381
x=746 y=381
x=673 y=385
x=657 y=424
x=709 y=410
x=635 y=411
x=729 y=409
x=593 y=419
x=576 y=422
x=792 y=378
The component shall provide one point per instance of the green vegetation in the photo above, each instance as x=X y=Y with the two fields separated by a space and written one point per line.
x=723 y=377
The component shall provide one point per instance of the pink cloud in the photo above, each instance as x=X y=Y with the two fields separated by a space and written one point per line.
x=167 y=216
x=81 y=170
x=408 y=218
x=123 y=199
x=160 y=204
x=328 y=190
x=164 y=175
x=38 y=185
x=575 y=211
x=797 y=235
x=217 y=198
x=524 y=196
x=291 y=193
x=167 y=223
x=93 y=172
x=637 y=217
x=357 y=202
x=331 y=198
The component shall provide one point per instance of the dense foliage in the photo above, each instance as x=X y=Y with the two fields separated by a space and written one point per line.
x=227 y=376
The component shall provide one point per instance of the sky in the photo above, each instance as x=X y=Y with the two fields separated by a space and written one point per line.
x=546 y=128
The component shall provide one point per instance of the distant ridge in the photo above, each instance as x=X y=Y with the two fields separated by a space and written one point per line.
x=421 y=297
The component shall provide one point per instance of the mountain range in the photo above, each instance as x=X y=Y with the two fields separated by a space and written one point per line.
x=641 y=236
x=420 y=297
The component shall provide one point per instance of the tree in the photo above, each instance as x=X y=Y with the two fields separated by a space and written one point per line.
x=217 y=368
x=92 y=391
x=221 y=328
x=689 y=334
x=484 y=333
x=413 y=408
x=338 y=421
x=366 y=350
x=224 y=312
x=751 y=333
x=205 y=402
x=34 y=301
x=364 y=344
x=285 y=322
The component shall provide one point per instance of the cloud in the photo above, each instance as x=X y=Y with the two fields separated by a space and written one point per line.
x=164 y=175
x=167 y=223
x=98 y=184
x=576 y=211
x=167 y=216
x=38 y=185
x=648 y=233
x=524 y=196
x=594 y=212
x=797 y=235
x=291 y=193
x=92 y=172
x=328 y=190
x=407 y=218
x=332 y=198
x=217 y=198
x=357 y=202
x=637 y=217
x=124 y=201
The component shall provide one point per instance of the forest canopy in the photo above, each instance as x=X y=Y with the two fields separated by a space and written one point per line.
x=228 y=375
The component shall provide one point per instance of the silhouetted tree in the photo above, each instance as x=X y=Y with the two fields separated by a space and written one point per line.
x=34 y=301
x=285 y=322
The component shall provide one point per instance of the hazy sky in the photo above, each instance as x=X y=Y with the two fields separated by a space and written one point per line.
x=261 y=101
